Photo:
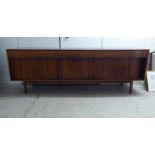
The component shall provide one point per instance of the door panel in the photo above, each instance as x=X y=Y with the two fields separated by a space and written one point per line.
x=100 y=69
x=76 y=69
x=52 y=69
x=34 y=69
x=117 y=69
x=134 y=68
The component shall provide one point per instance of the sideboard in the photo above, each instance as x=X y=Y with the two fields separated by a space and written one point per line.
x=48 y=66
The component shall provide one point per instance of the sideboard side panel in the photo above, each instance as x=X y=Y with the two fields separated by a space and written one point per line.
x=137 y=68
x=15 y=67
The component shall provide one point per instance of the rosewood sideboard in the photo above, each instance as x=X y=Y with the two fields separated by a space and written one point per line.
x=46 y=66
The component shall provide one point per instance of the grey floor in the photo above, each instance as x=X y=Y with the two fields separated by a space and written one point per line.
x=108 y=100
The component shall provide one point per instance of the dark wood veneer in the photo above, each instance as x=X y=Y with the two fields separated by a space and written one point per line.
x=77 y=66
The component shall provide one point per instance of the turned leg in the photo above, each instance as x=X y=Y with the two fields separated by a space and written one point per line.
x=131 y=86
x=25 y=87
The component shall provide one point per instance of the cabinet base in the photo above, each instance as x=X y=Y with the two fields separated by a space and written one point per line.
x=34 y=83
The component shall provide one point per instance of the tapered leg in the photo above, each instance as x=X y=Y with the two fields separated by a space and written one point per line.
x=131 y=86
x=25 y=87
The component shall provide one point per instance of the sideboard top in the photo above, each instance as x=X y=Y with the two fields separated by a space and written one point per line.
x=91 y=53
x=98 y=49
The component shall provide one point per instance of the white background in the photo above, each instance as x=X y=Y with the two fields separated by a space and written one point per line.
x=77 y=136
x=78 y=18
